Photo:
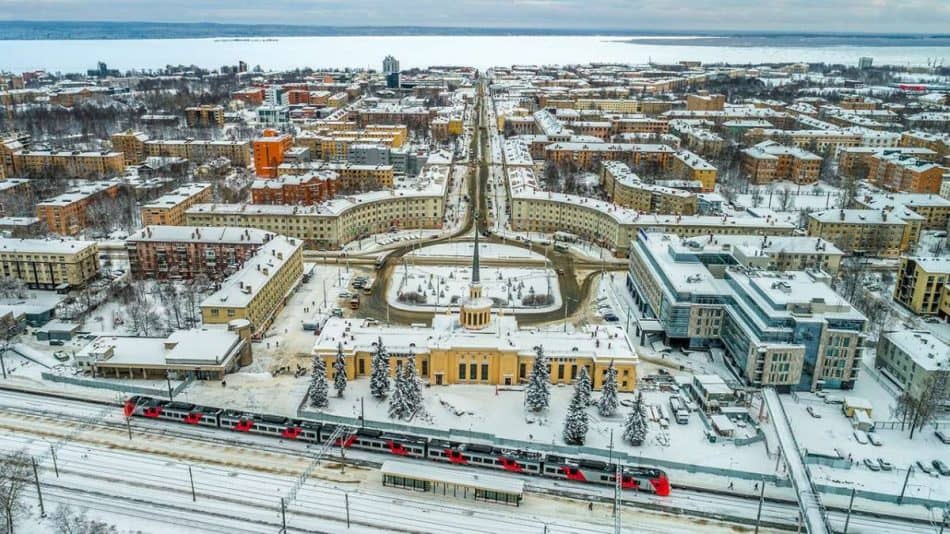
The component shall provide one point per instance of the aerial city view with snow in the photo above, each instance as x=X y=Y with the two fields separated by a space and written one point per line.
x=487 y=267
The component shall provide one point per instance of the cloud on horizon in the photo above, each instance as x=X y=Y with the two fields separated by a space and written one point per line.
x=890 y=16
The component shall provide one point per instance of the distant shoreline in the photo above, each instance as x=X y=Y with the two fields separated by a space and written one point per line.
x=42 y=30
x=792 y=40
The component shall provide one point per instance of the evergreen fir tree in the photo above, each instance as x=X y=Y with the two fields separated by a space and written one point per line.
x=635 y=427
x=537 y=396
x=413 y=384
x=584 y=385
x=318 y=383
x=400 y=402
x=379 y=374
x=608 y=393
x=339 y=371
x=576 y=421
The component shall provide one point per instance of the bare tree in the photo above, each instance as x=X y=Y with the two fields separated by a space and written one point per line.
x=785 y=199
x=67 y=521
x=15 y=475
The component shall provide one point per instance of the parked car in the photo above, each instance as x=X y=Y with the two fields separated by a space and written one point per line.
x=861 y=437
x=941 y=468
x=873 y=439
x=885 y=465
x=811 y=411
x=872 y=465
x=611 y=318
x=344 y=294
x=943 y=437
x=925 y=468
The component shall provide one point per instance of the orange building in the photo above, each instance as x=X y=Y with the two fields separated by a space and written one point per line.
x=269 y=150
x=66 y=213
x=253 y=96
x=901 y=172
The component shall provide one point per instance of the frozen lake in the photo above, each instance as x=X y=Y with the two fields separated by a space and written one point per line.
x=421 y=51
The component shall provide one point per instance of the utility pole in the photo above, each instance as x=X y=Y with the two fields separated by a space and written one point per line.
x=191 y=477
x=617 y=490
x=900 y=500
x=168 y=381
x=52 y=452
x=847 y=518
x=39 y=492
x=283 y=516
x=758 y=514
x=128 y=424
x=346 y=501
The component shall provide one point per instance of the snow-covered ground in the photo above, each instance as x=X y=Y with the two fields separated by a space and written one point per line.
x=441 y=286
x=500 y=411
x=833 y=430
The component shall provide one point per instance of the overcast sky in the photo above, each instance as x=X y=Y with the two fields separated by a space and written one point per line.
x=898 y=16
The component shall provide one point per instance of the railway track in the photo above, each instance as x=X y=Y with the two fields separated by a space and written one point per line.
x=777 y=513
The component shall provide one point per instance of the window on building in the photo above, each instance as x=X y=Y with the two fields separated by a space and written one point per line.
x=473 y=371
x=462 y=371
x=484 y=371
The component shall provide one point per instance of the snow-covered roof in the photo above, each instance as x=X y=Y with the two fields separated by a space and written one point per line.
x=502 y=334
x=926 y=349
x=177 y=196
x=431 y=473
x=869 y=216
x=241 y=287
x=205 y=346
x=44 y=246
x=200 y=234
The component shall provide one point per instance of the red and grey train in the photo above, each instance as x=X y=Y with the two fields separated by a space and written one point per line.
x=437 y=450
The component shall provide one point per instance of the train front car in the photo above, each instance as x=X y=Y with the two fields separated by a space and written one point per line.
x=144 y=407
x=645 y=479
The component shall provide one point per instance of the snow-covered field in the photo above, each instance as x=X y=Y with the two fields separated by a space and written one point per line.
x=443 y=286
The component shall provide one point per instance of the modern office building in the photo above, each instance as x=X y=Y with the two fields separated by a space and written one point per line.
x=786 y=329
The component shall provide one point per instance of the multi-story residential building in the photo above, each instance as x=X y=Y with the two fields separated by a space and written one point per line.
x=855 y=162
x=49 y=263
x=872 y=232
x=703 y=101
x=939 y=143
x=331 y=144
x=934 y=209
x=67 y=214
x=415 y=203
x=258 y=290
x=68 y=163
x=237 y=152
x=769 y=161
x=411 y=116
x=350 y=176
x=181 y=252
x=269 y=150
x=624 y=188
x=10 y=144
x=204 y=116
x=637 y=124
x=922 y=283
x=823 y=141
x=782 y=252
x=132 y=145
x=169 y=209
x=918 y=361
x=16 y=196
x=589 y=155
x=302 y=190
x=689 y=166
x=788 y=330
x=536 y=210
x=901 y=172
